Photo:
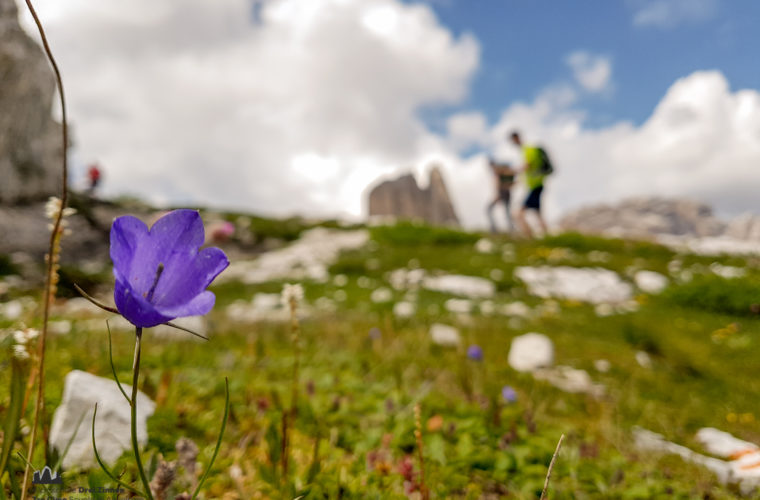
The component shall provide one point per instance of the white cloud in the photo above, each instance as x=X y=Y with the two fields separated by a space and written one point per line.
x=671 y=13
x=294 y=111
x=592 y=72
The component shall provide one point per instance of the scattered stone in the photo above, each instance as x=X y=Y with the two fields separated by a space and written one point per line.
x=530 y=352
x=263 y=307
x=484 y=245
x=112 y=426
x=728 y=272
x=487 y=308
x=568 y=379
x=602 y=365
x=381 y=295
x=516 y=309
x=444 y=335
x=650 y=281
x=406 y=279
x=467 y=286
x=593 y=285
x=604 y=310
x=404 y=309
x=59 y=327
x=643 y=359
x=11 y=310
x=307 y=258
x=741 y=469
x=458 y=306
x=496 y=274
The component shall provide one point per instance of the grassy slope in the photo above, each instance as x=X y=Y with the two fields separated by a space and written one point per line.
x=355 y=391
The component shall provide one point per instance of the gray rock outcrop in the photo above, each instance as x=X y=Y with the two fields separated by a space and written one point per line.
x=646 y=217
x=402 y=198
x=30 y=140
x=73 y=417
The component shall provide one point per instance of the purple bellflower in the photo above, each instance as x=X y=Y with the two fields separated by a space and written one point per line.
x=475 y=353
x=160 y=272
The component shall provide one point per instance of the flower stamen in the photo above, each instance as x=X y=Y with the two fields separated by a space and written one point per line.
x=152 y=290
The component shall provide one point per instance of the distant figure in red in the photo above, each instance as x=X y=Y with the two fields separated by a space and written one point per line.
x=93 y=175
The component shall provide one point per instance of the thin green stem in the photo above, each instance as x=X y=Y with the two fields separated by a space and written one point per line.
x=100 y=461
x=218 y=440
x=113 y=368
x=55 y=234
x=133 y=417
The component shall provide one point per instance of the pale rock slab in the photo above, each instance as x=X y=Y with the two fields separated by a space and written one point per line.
x=650 y=281
x=445 y=335
x=530 y=352
x=81 y=391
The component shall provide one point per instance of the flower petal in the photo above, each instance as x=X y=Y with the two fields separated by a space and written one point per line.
x=185 y=278
x=127 y=233
x=198 y=306
x=135 y=308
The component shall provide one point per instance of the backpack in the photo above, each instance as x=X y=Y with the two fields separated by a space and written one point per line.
x=546 y=164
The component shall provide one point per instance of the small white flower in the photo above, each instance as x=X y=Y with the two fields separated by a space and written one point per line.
x=24 y=336
x=53 y=206
x=20 y=352
x=291 y=293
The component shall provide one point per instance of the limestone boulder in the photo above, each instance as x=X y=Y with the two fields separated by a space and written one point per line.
x=73 y=417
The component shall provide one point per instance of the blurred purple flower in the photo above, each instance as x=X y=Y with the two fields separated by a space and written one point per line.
x=160 y=274
x=509 y=394
x=475 y=353
x=375 y=333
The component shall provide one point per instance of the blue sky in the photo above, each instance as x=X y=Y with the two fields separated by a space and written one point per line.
x=284 y=107
x=524 y=45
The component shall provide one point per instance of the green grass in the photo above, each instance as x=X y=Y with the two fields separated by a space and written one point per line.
x=357 y=395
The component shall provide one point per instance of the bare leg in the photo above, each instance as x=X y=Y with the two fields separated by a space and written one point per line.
x=524 y=223
x=542 y=223
x=489 y=212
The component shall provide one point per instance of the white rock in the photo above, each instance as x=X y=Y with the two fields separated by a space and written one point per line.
x=602 y=365
x=484 y=245
x=340 y=280
x=604 y=310
x=727 y=272
x=569 y=379
x=593 y=285
x=467 y=286
x=722 y=443
x=530 y=352
x=487 y=308
x=404 y=309
x=11 y=310
x=81 y=391
x=381 y=295
x=458 y=306
x=650 y=281
x=516 y=309
x=444 y=335
x=307 y=258
x=643 y=359
x=496 y=274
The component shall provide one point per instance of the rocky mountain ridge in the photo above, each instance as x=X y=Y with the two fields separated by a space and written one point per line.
x=660 y=217
x=30 y=139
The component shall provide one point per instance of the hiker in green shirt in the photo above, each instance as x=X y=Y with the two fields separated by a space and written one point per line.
x=535 y=170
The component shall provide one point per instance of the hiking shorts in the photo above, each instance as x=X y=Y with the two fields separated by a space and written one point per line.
x=533 y=201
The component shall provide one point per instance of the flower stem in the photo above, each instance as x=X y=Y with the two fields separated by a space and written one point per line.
x=133 y=417
x=50 y=274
